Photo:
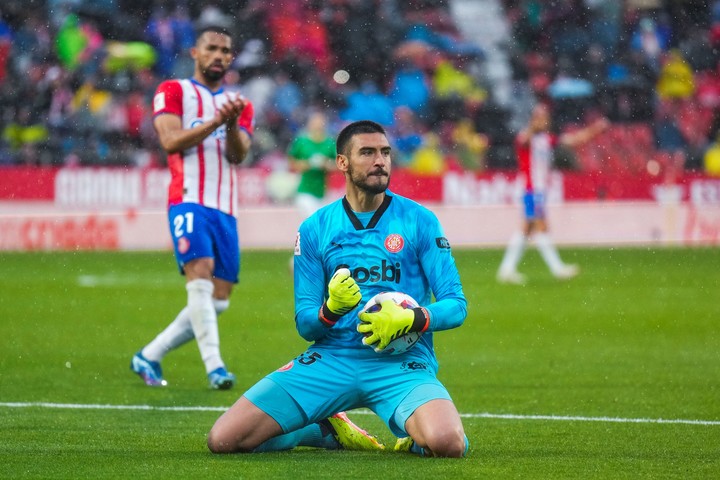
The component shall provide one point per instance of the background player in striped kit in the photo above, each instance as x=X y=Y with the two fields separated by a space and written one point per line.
x=534 y=150
x=205 y=132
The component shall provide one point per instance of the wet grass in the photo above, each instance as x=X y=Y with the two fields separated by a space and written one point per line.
x=634 y=337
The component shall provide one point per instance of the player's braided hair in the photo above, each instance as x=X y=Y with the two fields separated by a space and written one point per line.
x=346 y=134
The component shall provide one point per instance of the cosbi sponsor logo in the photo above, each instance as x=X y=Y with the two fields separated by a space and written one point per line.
x=442 y=242
x=394 y=243
x=183 y=245
x=386 y=272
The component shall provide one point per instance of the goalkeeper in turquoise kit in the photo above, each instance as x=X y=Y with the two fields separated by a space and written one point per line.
x=368 y=242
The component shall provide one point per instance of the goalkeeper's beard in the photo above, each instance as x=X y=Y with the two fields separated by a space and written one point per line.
x=361 y=182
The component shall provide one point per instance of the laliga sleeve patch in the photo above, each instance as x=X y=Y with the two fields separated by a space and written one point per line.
x=159 y=102
x=298 y=252
x=442 y=242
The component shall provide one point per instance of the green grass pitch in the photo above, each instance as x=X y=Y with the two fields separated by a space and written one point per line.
x=554 y=379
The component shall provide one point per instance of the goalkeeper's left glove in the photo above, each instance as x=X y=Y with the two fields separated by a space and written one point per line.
x=391 y=322
x=343 y=295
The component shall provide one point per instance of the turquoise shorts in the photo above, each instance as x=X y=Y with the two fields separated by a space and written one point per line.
x=322 y=382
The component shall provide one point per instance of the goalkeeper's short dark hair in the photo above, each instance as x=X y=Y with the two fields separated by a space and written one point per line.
x=362 y=126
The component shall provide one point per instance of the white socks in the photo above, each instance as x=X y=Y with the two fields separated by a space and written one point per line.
x=516 y=247
x=183 y=328
x=549 y=252
x=220 y=305
x=204 y=322
x=513 y=253
x=176 y=334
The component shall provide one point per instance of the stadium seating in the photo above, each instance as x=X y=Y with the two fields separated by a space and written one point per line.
x=520 y=48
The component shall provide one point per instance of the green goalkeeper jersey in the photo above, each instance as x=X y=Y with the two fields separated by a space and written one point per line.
x=304 y=149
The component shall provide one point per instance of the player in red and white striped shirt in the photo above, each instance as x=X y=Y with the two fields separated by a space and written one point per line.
x=534 y=147
x=205 y=131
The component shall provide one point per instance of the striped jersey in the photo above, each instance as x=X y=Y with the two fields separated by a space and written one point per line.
x=535 y=160
x=399 y=247
x=200 y=174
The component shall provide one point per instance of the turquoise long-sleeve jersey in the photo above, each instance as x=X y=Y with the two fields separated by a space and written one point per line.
x=399 y=247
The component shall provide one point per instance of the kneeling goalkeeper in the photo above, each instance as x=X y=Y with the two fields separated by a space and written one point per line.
x=368 y=242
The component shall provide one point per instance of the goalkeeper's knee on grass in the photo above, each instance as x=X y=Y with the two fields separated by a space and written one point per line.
x=407 y=444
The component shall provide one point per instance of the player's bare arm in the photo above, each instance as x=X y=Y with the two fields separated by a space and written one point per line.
x=584 y=134
x=297 y=165
x=524 y=136
x=237 y=140
x=173 y=138
x=237 y=144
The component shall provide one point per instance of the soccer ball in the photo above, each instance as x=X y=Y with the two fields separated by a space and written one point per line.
x=405 y=342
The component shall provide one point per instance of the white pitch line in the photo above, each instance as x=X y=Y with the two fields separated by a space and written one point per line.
x=111 y=280
x=499 y=416
x=93 y=406
x=567 y=418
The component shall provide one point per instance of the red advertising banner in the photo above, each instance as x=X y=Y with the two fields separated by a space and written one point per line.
x=109 y=188
x=27 y=183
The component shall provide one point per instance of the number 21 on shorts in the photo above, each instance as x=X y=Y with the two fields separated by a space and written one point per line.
x=183 y=224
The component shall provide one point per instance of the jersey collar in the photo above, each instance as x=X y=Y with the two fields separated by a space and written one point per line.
x=219 y=90
x=375 y=218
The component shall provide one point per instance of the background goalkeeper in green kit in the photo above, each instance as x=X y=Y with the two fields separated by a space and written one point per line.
x=312 y=155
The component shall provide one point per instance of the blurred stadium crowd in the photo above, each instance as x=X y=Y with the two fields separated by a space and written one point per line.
x=77 y=77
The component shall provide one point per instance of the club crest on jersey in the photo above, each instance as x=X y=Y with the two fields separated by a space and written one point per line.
x=394 y=243
x=183 y=245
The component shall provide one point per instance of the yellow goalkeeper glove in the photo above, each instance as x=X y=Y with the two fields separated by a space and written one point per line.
x=343 y=295
x=391 y=322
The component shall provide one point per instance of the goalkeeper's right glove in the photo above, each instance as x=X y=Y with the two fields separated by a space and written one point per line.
x=343 y=295
x=391 y=322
